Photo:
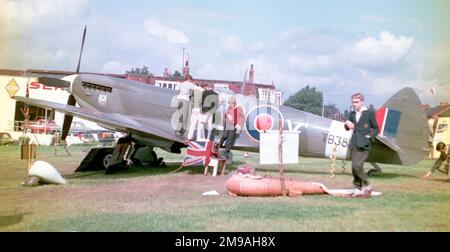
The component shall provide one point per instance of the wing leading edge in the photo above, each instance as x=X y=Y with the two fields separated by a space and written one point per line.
x=118 y=122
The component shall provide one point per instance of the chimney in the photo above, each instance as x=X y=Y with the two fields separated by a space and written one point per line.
x=251 y=77
x=186 y=66
x=166 y=73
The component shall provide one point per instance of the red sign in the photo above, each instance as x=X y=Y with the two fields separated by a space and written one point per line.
x=37 y=85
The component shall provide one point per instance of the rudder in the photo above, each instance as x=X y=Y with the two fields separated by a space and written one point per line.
x=403 y=127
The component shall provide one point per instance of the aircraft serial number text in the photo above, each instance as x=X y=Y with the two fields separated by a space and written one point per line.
x=336 y=140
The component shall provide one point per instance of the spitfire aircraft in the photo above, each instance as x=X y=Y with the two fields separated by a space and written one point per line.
x=145 y=113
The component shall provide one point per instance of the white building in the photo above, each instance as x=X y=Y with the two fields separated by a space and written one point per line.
x=11 y=116
x=271 y=95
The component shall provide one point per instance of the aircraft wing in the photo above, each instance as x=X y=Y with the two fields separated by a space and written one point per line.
x=115 y=121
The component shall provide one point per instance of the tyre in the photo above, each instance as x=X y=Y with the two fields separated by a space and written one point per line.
x=106 y=161
x=145 y=156
x=373 y=173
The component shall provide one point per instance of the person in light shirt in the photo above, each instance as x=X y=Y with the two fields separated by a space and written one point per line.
x=184 y=99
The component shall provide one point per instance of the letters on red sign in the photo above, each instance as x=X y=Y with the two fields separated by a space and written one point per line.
x=37 y=85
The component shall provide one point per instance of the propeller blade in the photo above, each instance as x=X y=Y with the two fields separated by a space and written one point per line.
x=67 y=119
x=53 y=82
x=71 y=101
x=81 y=51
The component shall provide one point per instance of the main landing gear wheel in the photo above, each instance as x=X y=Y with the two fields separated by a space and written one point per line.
x=144 y=156
x=373 y=172
x=107 y=160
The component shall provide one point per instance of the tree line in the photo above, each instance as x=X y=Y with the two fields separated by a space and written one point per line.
x=310 y=100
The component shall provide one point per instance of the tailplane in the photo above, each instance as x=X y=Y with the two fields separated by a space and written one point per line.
x=403 y=130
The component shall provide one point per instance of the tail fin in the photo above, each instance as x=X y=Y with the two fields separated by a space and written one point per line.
x=403 y=129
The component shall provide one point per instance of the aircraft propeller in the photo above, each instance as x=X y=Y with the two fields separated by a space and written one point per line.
x=53 y=82
x=71 y=100
x=67 y=118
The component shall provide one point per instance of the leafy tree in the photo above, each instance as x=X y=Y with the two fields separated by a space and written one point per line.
x=145 y=70
x=332 y=112
x=346 y=114
x=140 y=71
x=307 y=99
x=176 y=74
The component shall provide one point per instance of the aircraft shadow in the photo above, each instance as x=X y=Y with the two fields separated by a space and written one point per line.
x=174 y=168
x=441 y=180
x=337 y=172
x=138 y=171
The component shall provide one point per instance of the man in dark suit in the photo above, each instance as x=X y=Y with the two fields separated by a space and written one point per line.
x=365 y=128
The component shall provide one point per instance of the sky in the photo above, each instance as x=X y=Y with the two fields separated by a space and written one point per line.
x=338 y=47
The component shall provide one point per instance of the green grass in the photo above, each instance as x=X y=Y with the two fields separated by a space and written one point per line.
x=153 y=199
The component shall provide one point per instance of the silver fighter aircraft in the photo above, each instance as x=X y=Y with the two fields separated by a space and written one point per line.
x=145 y=112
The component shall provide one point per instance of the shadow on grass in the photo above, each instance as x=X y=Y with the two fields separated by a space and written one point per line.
x=441 y=180
x=11 y=219
x=138 y=171
x=381 y=176
x=394 y=175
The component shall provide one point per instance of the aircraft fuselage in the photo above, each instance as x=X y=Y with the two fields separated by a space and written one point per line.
x=318 y=136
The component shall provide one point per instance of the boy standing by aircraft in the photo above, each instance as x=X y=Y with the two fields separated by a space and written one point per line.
x=234 y=119
x=365 y=128
x=210 y=103
x=184 y=98
x=195 y=113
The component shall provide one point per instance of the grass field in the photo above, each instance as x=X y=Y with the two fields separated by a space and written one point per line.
x=153 y=199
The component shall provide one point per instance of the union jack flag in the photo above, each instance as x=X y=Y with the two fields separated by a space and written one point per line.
x=198 y=153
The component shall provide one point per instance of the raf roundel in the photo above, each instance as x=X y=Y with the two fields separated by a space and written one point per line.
x=262 y=118
x=263 y=122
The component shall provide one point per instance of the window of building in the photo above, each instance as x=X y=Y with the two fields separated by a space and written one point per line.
x=168 y=84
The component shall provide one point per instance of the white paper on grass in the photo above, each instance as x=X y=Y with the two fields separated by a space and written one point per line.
x=210 y=193
x=268 y=147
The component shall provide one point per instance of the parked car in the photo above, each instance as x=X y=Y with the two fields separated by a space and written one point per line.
x=85 y=137
x=42 y=126
x=106 y=137
x=77 y=126
x=89 y=138
x=5 y=138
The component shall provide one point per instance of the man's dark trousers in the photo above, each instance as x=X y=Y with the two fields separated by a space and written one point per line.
x=230 y=136
x=360 y=178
